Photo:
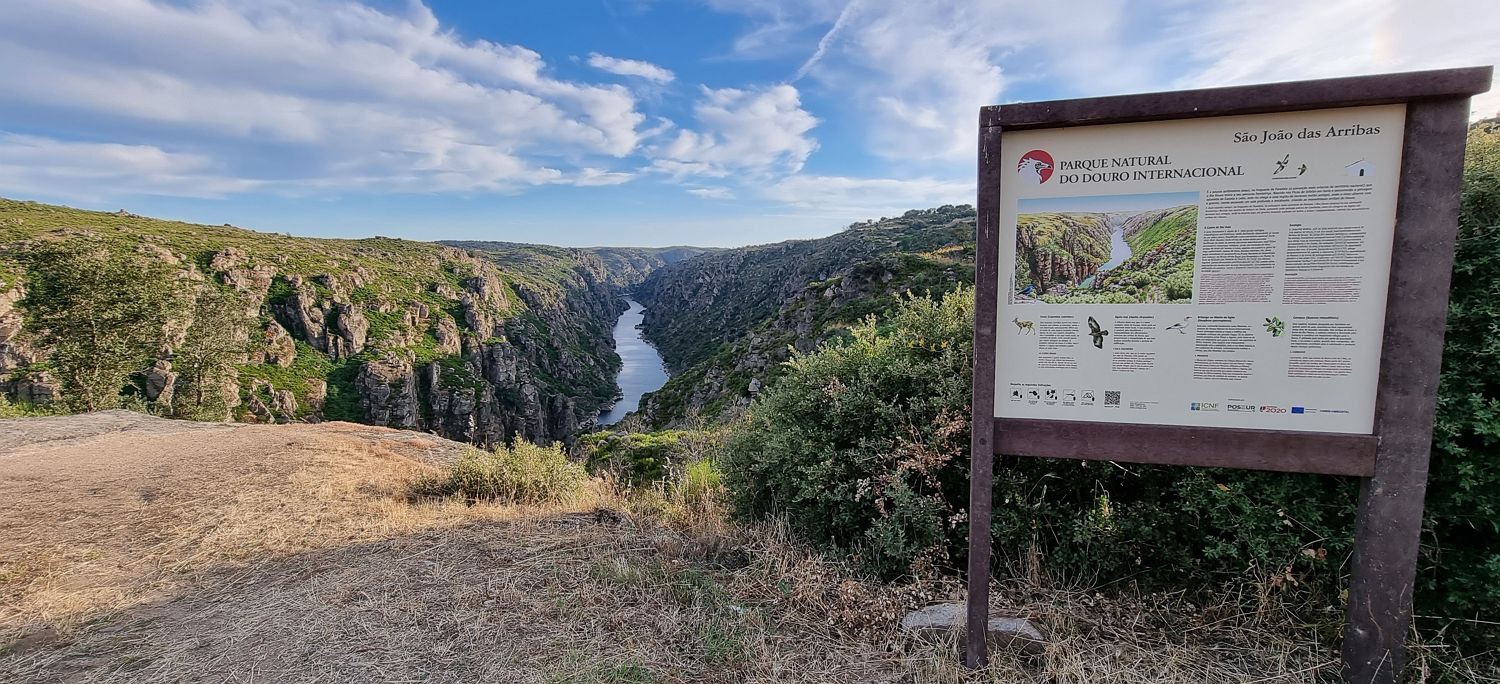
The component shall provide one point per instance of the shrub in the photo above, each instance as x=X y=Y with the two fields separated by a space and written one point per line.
x=101 y=310
x=21 y=409
x=524 y=474
x=1460 y=573
x=636 y=458
x=860 y=444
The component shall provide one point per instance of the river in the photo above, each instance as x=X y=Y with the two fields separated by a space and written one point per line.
x=641 y=368
x=1119 y=249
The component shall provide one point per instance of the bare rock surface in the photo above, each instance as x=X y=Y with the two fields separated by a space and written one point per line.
x=1007 y=633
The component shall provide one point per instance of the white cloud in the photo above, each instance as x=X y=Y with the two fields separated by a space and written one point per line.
x=782 y=26
x=915 y=73
x=846 y=196
x=313 y=93
x=32 y=165
x=590 y=177
x=757 y=132
x=631 y=67
x=1236 y=45
x=719 y=193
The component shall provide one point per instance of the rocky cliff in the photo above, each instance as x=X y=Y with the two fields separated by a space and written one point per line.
x=476 y=345
x=1056 y=251
x=724 y=321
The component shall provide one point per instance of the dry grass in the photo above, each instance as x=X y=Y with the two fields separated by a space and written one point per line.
x=172 y=552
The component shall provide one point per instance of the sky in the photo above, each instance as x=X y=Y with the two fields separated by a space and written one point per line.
x=613 y=122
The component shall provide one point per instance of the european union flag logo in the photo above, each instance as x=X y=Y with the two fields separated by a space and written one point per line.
x=1298 y=409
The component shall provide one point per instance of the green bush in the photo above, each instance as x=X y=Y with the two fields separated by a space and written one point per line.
x=636 y=458
x=1460 y=573
x=21 y=409
x=860 y=444
x=524 y=474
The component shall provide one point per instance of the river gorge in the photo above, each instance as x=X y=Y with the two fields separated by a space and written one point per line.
x=641 y=368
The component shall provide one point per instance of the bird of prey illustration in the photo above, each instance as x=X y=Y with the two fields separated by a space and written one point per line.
x=1097 y=333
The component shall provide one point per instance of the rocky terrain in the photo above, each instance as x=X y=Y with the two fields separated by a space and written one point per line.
x=477 y=345
x=723 y=321
x=1056 y=251
x=1163 y=245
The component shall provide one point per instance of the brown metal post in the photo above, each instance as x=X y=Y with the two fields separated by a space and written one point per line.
x=981 y=444
x=1389 y=522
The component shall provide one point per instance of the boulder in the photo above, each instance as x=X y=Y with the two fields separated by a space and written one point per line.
x=1014 y=634
x=387 y=390
x=448 y=339
x=160 y=380
x=317 y=395
x=277 y=348
x=284 y=404
x=350 y=332
x=38 y=388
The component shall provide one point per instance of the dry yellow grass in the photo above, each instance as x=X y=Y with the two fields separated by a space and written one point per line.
x=138 y=550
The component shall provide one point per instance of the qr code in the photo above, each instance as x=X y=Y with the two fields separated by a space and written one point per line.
x=1111 y=397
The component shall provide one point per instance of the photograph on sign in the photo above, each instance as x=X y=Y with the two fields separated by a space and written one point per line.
x=1222 y=272
x=1119 y=249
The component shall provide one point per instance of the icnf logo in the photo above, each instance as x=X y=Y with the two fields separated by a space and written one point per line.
x=1035 y=167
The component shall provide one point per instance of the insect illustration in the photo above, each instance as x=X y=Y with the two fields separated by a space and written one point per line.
x=1097 y=333
x=1024 y=326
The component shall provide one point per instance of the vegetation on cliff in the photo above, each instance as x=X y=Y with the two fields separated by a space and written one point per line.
x=1163 y=245
x=1058 y=249
x=482 y=346
x=725 y=321
x=1060 y=256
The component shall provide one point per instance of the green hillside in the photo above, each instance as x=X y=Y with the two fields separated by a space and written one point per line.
x=724 y=321
x=481 y=346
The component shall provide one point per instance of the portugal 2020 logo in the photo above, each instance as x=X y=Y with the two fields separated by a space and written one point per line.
x=1035 y=167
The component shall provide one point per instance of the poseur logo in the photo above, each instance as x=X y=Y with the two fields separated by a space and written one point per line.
x=1035 y=167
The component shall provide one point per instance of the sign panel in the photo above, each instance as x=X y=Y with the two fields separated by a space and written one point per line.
x=1220 y=272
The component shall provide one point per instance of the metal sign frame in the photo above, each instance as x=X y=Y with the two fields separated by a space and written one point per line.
x=1391 y=462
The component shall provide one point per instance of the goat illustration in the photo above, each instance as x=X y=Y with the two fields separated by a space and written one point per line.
x=1024 y=326
x=1031 y=170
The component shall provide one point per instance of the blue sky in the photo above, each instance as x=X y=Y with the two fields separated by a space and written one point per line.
x=611 y=122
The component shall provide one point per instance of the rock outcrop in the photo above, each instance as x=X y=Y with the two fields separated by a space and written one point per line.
x=1060 y=248
x=482 y=344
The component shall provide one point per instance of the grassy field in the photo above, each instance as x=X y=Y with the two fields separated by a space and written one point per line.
x=293 y=554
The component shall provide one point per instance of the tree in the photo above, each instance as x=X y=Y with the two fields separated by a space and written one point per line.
x=101 y=310
x=205 y=361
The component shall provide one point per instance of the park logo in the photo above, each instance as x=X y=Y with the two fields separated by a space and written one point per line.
x=1205 y=406
x=1035 y=167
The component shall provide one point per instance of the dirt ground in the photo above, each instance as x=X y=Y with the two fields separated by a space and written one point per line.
x=135 y=549
x=144 y=550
